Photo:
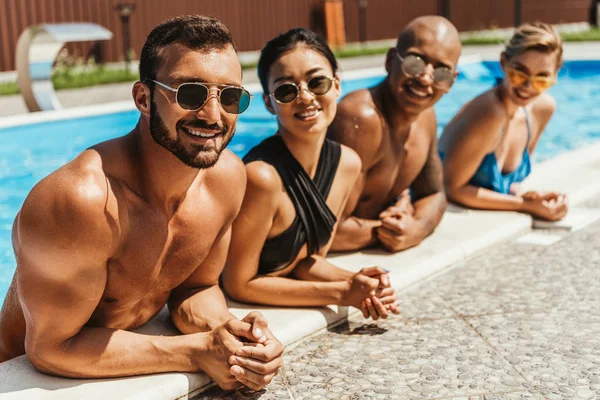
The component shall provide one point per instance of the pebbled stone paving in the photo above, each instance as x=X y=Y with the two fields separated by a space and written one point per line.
x=520 y=321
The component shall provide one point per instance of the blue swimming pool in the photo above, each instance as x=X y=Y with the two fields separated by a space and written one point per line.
x=28 y=153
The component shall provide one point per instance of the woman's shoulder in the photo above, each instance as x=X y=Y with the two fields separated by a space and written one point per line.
x=486 y=106
x=483 y=112
x=350 y=162
x=544 y=106
x=263 y=176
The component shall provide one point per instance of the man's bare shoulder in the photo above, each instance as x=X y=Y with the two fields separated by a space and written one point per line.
x=427 y=122
x=75 y=201
x=227 y=178
x=359 y=125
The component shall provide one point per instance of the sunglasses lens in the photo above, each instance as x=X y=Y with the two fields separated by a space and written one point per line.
x=235 y=100
x=516 y=78
x=413 y=65
x=320 y=85
x=191 y=96
x=443 y=77
x=286 y=93
x=542 y=83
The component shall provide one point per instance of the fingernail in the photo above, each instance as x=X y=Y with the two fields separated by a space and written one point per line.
x=236 y=370
x=258 y=333
x=232 y=360
x=385 y=269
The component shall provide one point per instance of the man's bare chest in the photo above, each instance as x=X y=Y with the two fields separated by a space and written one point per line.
x=156 y=254
x=398 y=165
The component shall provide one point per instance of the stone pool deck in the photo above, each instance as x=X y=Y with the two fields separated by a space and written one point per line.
x=520 y=321
x=462 y=235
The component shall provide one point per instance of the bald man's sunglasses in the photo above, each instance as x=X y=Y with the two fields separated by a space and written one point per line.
x=192 y=96
x=518 y=78
x=413 y=66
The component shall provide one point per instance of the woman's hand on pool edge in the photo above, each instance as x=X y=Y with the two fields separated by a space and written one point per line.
x=550 y=206
x=370 y=291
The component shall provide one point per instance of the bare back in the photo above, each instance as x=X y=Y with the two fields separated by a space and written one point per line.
x=140 y=252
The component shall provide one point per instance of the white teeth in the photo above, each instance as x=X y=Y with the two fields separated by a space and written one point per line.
x=200 y=134
x=308 y=114
x=418 y=92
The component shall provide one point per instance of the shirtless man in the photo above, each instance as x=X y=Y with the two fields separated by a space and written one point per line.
x=137 y=222
x=392 y=126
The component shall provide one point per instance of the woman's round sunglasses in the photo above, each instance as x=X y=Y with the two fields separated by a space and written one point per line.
x=192 y=96
x=288 y=92
x=413 y=66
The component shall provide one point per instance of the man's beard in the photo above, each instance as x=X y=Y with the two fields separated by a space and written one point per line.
x=196 y=156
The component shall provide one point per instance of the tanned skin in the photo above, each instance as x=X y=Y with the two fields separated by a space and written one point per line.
x=495 y=121
x=267 y=210
x=107 y=240
x=394 y=133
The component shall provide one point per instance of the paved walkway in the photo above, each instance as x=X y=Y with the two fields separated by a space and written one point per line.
x=11 y=105
x=518 y=322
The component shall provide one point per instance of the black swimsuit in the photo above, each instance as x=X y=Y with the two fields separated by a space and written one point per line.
x=314 y=220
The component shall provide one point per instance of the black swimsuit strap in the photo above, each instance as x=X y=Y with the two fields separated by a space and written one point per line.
x=308 y=196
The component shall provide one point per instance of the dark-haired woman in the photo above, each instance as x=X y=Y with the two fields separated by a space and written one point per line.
x=298 y=184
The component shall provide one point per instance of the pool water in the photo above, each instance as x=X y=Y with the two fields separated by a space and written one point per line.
x=28 y=153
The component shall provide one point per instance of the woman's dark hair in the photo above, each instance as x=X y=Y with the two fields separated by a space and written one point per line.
x=285 y=42
x=195 y=32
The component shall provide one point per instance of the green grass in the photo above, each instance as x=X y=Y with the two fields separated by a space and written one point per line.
x=591 y=35
x=8 y=88
x=66 y=79
x=356 y=51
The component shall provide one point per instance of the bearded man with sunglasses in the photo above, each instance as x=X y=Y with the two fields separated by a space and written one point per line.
x=399 y=198
x=144 y=220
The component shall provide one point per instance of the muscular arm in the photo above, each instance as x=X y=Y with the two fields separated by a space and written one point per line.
x=428 y=187
x=358 y=126
x=65 y=233
x=250 y=231
x=198 y=305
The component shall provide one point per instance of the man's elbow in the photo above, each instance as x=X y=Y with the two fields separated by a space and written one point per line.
x=47 y=359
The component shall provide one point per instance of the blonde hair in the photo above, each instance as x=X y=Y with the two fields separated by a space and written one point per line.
x=538 y=36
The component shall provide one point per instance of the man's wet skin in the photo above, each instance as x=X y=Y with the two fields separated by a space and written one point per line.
x=393 y=128
x=130 y=225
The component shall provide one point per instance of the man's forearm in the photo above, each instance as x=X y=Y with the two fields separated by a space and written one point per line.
x=200 y=311
x=106 y=353
x=429 y=212
x=355 y=233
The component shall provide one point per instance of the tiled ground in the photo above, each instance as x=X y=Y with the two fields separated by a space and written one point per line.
x=521 y=321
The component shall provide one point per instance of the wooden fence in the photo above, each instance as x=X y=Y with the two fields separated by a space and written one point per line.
x=253 y=22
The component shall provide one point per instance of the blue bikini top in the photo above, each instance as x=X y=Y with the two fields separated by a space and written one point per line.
x=490 y=176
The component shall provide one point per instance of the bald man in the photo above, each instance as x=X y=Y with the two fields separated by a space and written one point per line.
x=399 y=198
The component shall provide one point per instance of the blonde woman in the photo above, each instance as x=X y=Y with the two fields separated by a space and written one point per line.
x=487 y=147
